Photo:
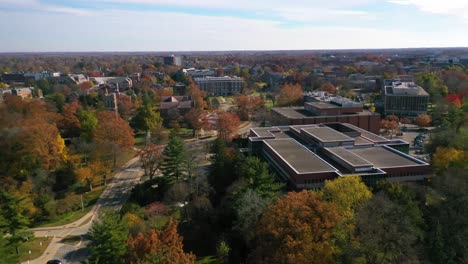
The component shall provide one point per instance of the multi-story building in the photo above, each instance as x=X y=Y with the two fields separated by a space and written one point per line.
x=404 y=99
x=305 y=156
x=220 y=86
x=175 y=107
x=319 y=107
x=173 y=60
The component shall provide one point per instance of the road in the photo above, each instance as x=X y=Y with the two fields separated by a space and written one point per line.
x=113 y=197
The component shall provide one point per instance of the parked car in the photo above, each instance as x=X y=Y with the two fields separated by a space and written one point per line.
x=54 y=261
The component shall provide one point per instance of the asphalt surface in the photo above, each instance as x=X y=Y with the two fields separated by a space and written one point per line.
x=113 y=197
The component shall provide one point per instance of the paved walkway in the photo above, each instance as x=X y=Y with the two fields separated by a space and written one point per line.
x=114 y=196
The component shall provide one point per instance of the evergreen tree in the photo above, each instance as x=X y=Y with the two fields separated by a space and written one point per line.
x=173 y=165
x=108 y=240
x=12 y=222
x=258 y=178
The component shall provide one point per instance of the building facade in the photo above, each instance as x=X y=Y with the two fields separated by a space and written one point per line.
x=306 y=156
x=220 y=86
x=173 y=60
x=404 y=99
x=319 y=108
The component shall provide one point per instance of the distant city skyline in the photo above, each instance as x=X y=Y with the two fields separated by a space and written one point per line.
x=215 y=25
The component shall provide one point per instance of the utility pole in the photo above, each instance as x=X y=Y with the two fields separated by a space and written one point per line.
x=82 y=204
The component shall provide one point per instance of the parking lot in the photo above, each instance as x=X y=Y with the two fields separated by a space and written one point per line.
x=417 y=138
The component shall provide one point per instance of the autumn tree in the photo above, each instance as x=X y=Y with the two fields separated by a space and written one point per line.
x=248 y=105
x=422 y=120
x=445 y=157
x=297 y=228
x=290 y=95
x=349 y=194
x=151 y=158
x=389 y=126
x=159 y=246
x=69 y=121
x=328 y=87
x=197 y=96
x=196 y=119
x=228 y=124
x=114 y=132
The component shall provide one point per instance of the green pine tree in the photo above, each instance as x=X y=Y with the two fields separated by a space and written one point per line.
x=108 y=240
x=174 y=163
x=12 y=222
x=258 y=178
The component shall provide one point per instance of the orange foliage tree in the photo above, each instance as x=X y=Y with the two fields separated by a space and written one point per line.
x=328 y=87
x=290 y=94
x=197 y=119
x=113 y=133
x=151 y=158
x=422 y=120
x=247 y=105
x=197 y=96
x=158 y=246
x=69 y=122
x=297 y=228
x=228 y=124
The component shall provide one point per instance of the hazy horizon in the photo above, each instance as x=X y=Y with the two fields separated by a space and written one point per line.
x=221 y=25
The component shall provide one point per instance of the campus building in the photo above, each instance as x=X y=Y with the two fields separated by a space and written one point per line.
x=319 y=107
x=404 y=99
x=173 y=60
x=305 y=156
x=220 y=86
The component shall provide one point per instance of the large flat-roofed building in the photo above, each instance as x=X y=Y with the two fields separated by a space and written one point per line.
x=404 y=99
x=319 y=108
x=305 y=156
x=220 y=86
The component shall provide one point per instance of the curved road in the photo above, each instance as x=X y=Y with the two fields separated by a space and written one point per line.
x=114 y=196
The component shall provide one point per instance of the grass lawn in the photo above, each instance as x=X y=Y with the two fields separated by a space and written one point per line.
x=33 y=245
x=91 y=198
x=140 y=139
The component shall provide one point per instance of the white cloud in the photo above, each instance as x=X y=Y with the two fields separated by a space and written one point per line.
x=457 y=8
x=40 y=6
x=114 y=30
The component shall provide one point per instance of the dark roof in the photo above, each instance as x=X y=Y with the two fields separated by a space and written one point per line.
x=326 y=134
x=348 y=157
x=298 y=157
x=384 y=157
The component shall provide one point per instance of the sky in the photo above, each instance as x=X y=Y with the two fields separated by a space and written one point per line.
x=214 y=25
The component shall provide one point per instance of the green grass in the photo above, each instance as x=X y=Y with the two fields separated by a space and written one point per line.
x=71 y=217
x=33 y=245
x=140 y=140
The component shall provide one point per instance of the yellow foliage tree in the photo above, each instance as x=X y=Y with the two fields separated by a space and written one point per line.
x=444 y=156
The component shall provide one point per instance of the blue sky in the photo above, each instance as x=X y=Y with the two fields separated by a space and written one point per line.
x=186 y=25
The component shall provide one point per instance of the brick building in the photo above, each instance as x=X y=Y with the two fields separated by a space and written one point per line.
x=305 y=156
